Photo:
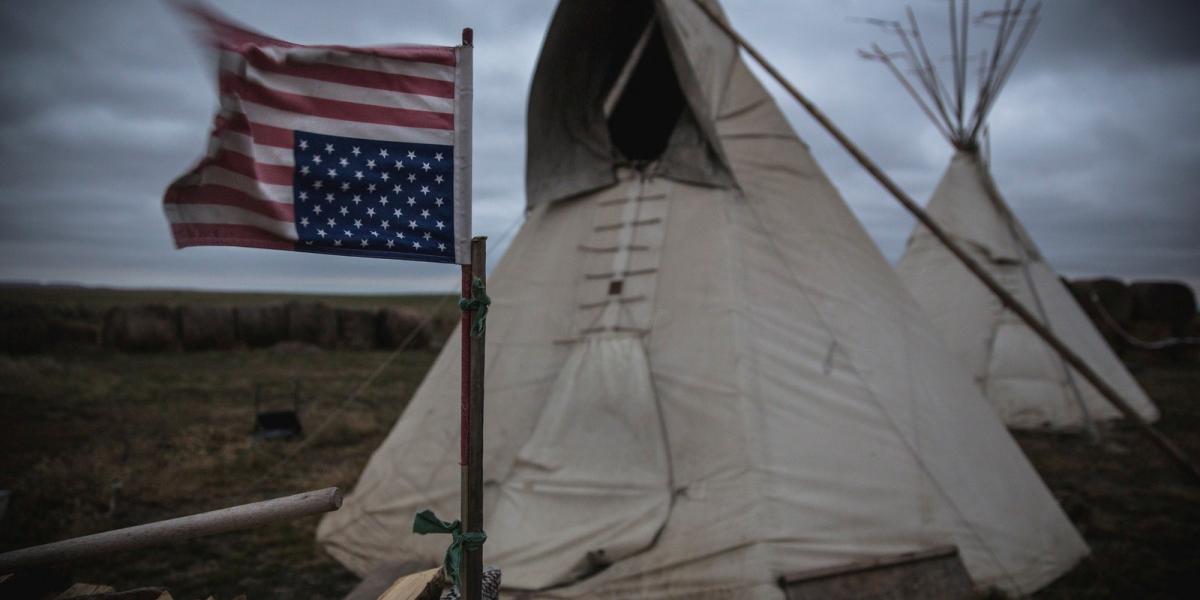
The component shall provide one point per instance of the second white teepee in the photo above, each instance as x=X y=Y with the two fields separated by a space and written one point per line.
x=1026 y=380
x=1022 y=376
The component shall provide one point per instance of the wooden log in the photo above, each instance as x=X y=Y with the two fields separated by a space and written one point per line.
x=426 y=585
x=1163 y=442
x=172 y=530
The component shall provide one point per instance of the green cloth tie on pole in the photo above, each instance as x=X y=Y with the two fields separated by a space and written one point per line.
x=427 y=522
x=478 y=302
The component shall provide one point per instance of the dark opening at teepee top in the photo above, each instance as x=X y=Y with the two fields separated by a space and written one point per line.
x=648 y=102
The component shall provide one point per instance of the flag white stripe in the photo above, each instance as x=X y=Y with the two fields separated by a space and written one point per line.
x=213 y=175
x=270 y=155
x=234 y=64
x=216 y=214
x=367 y=62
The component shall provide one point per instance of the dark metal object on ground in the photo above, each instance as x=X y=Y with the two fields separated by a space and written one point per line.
x=277 y=424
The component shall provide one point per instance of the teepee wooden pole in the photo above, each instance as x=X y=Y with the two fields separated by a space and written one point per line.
x=170 y=531
x=1162 y=441
x=883 y=57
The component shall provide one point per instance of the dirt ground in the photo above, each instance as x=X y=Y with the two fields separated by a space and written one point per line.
x=1137 y=510
x=93 y=440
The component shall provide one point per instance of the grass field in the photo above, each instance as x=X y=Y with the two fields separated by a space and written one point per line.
x=93 y=440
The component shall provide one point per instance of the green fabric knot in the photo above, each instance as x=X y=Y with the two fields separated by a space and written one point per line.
x=479 y=303
x=427 y=522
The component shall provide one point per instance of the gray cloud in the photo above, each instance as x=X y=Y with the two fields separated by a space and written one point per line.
x=1094 y=140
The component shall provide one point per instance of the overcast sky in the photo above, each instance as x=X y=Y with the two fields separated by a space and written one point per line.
x=1095 y=141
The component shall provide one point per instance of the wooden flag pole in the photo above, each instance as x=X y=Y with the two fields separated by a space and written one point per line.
x=1162 y=441
x=471 y=458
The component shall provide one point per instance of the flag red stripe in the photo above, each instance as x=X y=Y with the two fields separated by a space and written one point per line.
x=227 y=196
x=207 y=234
x=267 y=135
x=335 y=109
x=229 y=36
x=392 y=82
x=245 y=165
x=237 y=123
x=438 y=55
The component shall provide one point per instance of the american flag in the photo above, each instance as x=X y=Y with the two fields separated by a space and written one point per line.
x=330 y=149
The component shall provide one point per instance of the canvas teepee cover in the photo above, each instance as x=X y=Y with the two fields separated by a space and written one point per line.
x=1021 y=375
x=701 y=373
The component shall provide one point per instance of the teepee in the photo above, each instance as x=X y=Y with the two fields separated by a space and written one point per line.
x=1030 y=385
x=702 y=375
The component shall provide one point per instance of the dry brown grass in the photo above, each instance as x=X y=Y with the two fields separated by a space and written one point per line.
x=1137 y=510
x=93 y=440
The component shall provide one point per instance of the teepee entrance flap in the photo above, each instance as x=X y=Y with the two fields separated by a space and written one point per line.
x=594 y=479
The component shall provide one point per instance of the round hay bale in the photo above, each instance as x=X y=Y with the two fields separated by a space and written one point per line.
x=261 y=326
x=1167 y=301
x=295 y=348
x=23 y=328
x=356 y=328
x=1114 y=296
x=72 y=332
x=312 y=323
x=140 y=329
x=207 y=327
x=397 y=325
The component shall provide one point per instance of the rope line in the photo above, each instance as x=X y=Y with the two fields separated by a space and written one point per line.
x=353 y=395
x=1129 y=337
x=375 y=373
